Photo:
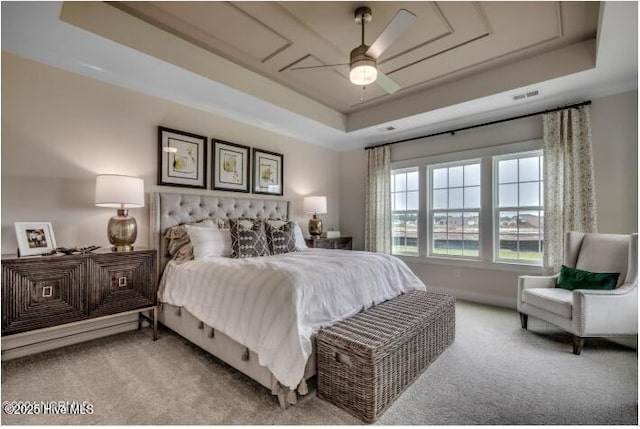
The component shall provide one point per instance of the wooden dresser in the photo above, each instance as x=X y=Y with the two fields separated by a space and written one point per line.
x=344 y=243
x=41 y=292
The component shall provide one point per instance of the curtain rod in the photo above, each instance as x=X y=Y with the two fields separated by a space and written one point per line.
x=584 y=103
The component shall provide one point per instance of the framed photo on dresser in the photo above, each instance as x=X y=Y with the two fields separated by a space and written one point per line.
x=35 y=238
x=182 y=159
x=267 y=172
x=231 y=166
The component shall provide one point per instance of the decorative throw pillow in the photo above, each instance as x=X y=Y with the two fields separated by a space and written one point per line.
x=281 y=238
x=573 y=278
x=248 y=238
x=207 y=241
x=301 y=244
x=179 y=246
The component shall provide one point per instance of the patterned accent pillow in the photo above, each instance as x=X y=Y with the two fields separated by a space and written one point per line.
x=248 y=238
x=281 y=237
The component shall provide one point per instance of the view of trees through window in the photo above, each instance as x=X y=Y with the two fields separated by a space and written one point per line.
x=404 y=206
x=520 y=208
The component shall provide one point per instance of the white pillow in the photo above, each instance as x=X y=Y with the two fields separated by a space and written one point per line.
x=297 y=232
x=208 y=241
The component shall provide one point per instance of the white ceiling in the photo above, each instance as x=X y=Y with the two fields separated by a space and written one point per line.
x=109 y=45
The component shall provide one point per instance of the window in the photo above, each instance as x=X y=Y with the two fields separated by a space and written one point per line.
x=519 y=208
x=404 y=207
x=455 y=209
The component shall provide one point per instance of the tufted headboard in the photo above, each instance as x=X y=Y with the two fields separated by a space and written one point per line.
x=171 y=209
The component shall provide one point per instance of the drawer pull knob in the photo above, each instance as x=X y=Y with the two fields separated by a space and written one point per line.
x=342 y=358
x=122 y=281
x=245 y=355
x=200 y=325
x=47 y=291
x=212 y=333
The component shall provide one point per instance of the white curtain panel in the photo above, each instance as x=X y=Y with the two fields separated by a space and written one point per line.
x=569 y=190
x=377 y=234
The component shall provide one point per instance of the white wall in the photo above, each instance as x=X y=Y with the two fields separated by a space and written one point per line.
x=59 y=130
x=614 y=138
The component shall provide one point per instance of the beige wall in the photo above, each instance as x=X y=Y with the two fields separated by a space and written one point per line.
x=614 y=137
x=59 y=130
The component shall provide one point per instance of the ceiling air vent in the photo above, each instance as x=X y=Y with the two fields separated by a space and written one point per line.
x=386 y=129
x=524 y=95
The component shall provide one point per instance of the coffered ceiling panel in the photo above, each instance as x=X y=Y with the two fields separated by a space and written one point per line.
x=447 y=40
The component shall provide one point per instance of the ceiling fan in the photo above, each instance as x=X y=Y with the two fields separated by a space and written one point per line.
x=364 y=67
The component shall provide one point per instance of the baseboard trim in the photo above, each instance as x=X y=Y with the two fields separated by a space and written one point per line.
x=481 y=298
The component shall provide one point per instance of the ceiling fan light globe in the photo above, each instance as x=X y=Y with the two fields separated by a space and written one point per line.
x=363 y=72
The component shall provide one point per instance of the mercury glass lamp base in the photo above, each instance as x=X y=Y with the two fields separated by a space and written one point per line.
x=315 y=226
x=122 y=231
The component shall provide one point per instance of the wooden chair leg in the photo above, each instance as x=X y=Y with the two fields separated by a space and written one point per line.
x=524 y=318
x=578 y=342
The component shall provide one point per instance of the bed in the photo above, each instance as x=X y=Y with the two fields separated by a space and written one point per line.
x=260 y=315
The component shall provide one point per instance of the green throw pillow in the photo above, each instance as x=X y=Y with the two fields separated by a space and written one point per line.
x=573 y=278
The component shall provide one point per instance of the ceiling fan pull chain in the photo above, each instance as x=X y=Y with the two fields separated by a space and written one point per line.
x=362 y=93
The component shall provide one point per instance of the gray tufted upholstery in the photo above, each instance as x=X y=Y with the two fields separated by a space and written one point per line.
x=171 y=209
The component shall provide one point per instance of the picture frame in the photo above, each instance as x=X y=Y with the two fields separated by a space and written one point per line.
x=231 y=166
x=182 y=159
x=268 y=172
x=35 y=238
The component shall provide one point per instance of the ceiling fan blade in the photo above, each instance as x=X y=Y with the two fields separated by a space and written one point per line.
x=317 y=67
x=386 y=83
x=391 y=32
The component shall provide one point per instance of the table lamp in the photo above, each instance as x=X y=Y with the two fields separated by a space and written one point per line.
x=315 y=205
x=121 y=192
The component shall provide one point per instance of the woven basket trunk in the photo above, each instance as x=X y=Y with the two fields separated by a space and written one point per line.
x=368 y=360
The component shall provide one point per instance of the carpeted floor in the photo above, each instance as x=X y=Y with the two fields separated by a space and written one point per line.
x=494 y=373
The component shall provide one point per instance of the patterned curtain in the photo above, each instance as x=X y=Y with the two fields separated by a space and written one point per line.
x=569 y=191
x=377 y=234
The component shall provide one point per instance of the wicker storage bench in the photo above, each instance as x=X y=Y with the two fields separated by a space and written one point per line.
x=365 y=362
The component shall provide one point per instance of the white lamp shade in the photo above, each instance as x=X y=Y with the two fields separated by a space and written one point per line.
x=118 y=191
x=314 y=204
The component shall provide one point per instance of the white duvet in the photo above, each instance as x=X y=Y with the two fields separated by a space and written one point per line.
x=274 y=304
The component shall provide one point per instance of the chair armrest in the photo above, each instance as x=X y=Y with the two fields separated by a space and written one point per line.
x=528 y=282
x=606 y=312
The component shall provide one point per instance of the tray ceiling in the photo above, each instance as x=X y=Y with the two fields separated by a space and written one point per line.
x=448 y=40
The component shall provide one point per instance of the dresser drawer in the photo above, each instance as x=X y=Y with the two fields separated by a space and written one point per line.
x=38 y=294
x=121 y=282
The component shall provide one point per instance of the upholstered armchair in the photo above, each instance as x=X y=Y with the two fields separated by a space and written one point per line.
x=587 y=313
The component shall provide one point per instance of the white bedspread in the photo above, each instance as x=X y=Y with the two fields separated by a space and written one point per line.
x=274 y=304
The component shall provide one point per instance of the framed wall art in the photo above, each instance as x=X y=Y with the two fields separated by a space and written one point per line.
x=231 y=166
x=267 y=172
x=35 y=238
x=182 y=159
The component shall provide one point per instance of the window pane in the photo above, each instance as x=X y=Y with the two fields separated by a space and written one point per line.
x=440 y=178
x=412 y=181
x=401 y=201
x=401 y=182
x=440 y=199
x=393 y=182
x=529 y=169
x=508 y=195
x=471 y=223
x=472 y=197
x=508 y=171
x=412 y=200
x=472 y=175
x=455 y=176
x=456 y=198
x=471 y=245
x=440 y=243
x=529 y=194
x=404 y=233
x=439 y=222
